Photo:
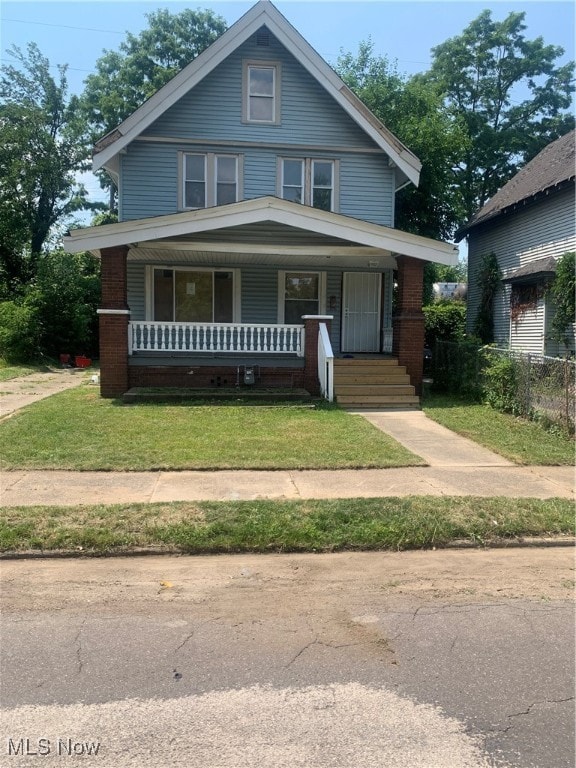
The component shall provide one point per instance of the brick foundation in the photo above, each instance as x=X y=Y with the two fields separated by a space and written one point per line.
x=207 y=376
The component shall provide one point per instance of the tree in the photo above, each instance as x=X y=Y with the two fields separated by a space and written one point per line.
x=413 y=109
x=145 y=62
x=510 y=95
x=44 y=145
x=66 y=295
x=488 y=279
x=563 y=291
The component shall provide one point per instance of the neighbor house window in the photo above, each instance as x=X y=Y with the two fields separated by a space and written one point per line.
x=300 y=293
x=261 y=92
x=309 y=181
x=208 y=179
x=193 y=295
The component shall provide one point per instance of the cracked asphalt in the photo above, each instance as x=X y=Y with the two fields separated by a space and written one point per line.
x=445 y=659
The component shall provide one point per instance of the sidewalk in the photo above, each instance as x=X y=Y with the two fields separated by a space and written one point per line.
x=457 y=467
x=23 y=488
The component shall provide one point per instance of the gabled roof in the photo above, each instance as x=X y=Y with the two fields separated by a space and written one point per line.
x=137 y=232
x=261 y=14
x=553 y=167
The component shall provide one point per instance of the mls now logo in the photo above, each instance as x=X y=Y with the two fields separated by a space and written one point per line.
x=42 y=747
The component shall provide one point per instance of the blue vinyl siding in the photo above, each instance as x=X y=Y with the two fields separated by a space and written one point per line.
x=259 y=294
x=136 y=284
x=313 y=125
x=213 y=109
x=150 y=180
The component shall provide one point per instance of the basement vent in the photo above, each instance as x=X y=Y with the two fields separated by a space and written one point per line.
x=263 y=37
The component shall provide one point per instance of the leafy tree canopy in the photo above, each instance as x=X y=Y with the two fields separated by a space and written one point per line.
x=413 y=109
x=124 y=79
x=563 y=292
x=510 y=94
x=44 y=145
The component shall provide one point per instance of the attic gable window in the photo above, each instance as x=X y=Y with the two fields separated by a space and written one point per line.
x=261 y=92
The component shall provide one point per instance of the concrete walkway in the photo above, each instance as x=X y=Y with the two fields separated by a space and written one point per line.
x=20 y=392
x=457 y=467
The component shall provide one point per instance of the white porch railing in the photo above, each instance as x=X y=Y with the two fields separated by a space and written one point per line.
x=148 y=336
x=325 y=363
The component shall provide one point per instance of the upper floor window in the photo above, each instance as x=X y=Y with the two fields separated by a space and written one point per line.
x=261 y=92
x=209 y=179
x=308 y=181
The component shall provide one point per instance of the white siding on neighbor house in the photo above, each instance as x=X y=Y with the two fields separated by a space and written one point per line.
x=527 y=331
x=546 y=228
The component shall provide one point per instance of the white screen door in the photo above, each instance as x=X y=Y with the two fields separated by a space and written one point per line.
x=361 y=312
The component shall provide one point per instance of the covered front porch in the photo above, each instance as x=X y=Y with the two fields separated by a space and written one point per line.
x=263 y=284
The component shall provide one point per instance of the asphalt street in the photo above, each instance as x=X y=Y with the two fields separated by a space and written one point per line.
x=420 y=659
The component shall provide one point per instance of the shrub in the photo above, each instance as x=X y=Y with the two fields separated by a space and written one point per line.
x=68 y=292
x=445 y=321
x=503 y=384
x=19 y=331
x=563 y=291
x=458 y=368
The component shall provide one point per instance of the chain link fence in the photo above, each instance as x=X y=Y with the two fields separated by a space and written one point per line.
x=541 y=388
x=533 y=386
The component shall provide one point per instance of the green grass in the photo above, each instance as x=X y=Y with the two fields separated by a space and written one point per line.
x=522 y=441
x=9 y=371
x=78 y=430
x=290 y=526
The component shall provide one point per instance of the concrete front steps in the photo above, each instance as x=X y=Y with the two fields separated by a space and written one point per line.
x=373 y=383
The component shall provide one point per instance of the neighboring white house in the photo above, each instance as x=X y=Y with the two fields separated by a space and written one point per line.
x=528 y=224
x=449 y=291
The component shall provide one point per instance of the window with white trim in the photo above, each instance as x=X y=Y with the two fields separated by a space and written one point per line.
x=300 y=293
x=261 y=92
x=309 y=181
x=185 y=295
x=209 y=179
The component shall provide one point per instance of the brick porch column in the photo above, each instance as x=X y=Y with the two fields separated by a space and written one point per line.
x=408 y=320
x=114 y=315
x=311 y=329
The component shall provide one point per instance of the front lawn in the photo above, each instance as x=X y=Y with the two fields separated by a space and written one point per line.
x=283 y=526
x=522 y=441
x=78 y=430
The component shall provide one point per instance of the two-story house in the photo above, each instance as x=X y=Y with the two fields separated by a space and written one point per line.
x=256 y=231
x=528 y=224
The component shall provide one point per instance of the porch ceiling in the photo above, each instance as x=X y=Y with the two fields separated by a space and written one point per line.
x=263 y=243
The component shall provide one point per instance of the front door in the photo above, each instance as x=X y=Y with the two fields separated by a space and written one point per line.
x=361 y=297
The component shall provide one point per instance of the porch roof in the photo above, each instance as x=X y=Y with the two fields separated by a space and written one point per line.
x=211 y=231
